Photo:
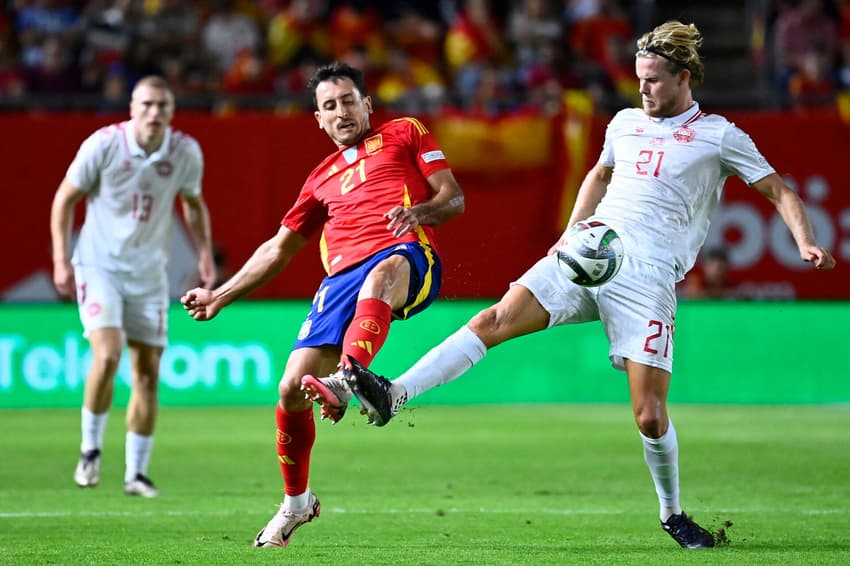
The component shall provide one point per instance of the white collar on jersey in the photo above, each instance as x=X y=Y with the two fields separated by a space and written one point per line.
x=137 y=151
x=687 y=116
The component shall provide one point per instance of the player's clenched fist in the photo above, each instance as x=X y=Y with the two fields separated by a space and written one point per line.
x=200 y=303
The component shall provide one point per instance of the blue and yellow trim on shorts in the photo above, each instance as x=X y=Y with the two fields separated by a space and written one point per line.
x=426 y=287
x=433 y=262
x=336 y=299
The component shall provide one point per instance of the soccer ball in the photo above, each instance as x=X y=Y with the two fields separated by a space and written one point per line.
x=590 y=253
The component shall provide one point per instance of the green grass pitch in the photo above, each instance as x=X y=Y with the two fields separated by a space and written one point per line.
x=533 y=484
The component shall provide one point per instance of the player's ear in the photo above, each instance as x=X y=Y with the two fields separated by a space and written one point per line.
x=318 y=119
x=368 y=103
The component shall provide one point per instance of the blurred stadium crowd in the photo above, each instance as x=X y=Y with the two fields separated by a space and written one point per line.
x=485 y=57
x=809 y=51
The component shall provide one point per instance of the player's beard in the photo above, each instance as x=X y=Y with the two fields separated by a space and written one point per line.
x=658 y=108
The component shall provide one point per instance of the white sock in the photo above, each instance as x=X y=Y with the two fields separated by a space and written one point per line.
x=662 y=458
x=92 y=427
x=137 y=454
x=443 y=363
x=296 y=502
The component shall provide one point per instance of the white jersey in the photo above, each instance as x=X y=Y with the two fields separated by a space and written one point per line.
x=667 y=180
x=131 y=196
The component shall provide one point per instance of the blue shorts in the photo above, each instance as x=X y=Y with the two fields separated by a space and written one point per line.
x=335 y=301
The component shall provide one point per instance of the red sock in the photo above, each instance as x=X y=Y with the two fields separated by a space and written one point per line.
x=368 y=330
x=296 y=433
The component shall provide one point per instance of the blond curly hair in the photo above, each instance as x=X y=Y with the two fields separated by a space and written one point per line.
x=678 y=43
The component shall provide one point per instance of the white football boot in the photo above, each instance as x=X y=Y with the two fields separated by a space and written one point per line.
x=278 y=531
x=87 y=473
x=141 y=485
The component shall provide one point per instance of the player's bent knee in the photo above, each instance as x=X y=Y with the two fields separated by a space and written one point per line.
x=284 y=387
x=651 y=424
x=146 y=382
x=291 y=395
x=106 y=363
x=489 y=326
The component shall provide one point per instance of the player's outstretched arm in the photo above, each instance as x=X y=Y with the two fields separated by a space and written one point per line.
x=446 y=203
x=793 y=212
x=266 y=262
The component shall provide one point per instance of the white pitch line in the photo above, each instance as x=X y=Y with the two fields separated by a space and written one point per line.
x=430 y=511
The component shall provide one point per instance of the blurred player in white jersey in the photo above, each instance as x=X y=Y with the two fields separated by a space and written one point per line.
x=657 y=181
x=130 y=174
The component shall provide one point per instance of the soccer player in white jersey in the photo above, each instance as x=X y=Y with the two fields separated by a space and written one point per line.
x=657 y=181
x=130 y=174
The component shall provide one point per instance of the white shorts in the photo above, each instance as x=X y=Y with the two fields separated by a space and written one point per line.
x=637 y=308
x=136 y=303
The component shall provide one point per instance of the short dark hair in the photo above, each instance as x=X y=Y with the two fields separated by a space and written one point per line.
x=334 y=72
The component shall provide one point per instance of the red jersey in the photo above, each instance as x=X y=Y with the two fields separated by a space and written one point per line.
x=352 y=189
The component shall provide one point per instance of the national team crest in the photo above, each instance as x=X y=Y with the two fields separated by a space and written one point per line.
x=684 y=134
x=164 y=168
x=371 y=326
x=373 y=144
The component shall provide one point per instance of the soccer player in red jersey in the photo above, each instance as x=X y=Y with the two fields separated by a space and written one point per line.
x=376 y=200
